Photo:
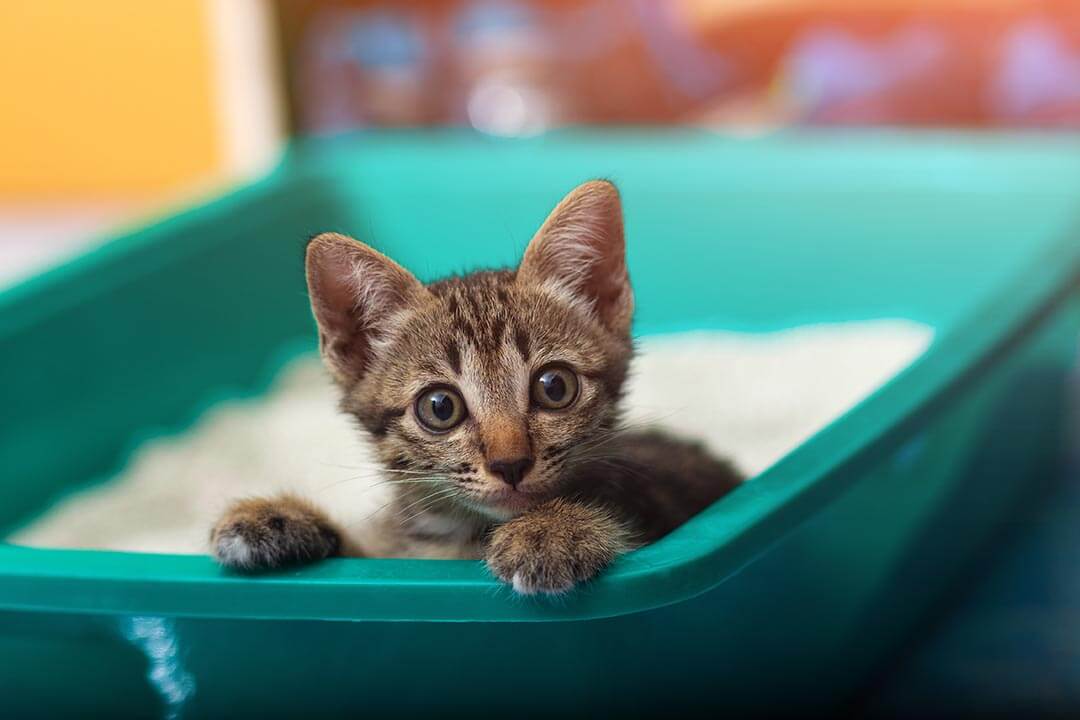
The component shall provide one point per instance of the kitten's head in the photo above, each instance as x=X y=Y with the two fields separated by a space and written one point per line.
x=485 y=383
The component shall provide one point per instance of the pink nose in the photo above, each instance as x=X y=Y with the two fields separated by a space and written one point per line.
x=511 y=471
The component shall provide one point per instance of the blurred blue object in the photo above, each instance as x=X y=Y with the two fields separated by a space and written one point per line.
x=384 y=38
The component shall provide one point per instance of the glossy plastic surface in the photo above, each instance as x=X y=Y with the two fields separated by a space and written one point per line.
x=787 y=591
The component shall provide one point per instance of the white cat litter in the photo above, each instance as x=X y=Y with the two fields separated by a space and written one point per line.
x=751 y=397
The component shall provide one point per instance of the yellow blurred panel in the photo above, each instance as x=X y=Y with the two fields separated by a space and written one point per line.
x=105 y=97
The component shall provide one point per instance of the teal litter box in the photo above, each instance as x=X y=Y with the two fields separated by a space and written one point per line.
x=785 y=595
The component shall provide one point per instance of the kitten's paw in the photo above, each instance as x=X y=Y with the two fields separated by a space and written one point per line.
x=265 y=533
x=555 y=547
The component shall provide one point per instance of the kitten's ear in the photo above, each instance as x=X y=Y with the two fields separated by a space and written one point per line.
x=357 y=297
x=579 y=252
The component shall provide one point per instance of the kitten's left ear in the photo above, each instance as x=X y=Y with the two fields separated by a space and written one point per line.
x=580 y=252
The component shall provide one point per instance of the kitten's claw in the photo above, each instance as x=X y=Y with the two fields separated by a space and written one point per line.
x=554 y=548
x=265 y=533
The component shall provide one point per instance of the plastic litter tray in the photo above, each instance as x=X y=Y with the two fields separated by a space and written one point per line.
x=789 y=593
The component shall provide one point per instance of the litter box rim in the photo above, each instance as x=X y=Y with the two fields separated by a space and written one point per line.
x=692 y=560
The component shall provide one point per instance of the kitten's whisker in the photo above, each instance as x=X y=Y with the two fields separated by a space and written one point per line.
x=437 y=491
x=385 y=505
x=657 y=417
x=427 y=506
x=595 y=442
x=375 y=467
x=386 y=481
x=378 y=467
x=618 y=464
x=372 y=514
x=429 y=500
x=365 y=476
x=605 y=437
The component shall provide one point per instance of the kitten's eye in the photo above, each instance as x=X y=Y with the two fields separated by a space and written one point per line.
x=440 y=409
x=555 y=387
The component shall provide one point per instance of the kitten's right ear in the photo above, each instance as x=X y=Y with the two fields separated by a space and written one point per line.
x=357 y=296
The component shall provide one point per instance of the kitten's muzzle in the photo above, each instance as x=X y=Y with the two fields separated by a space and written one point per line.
x=511 y=471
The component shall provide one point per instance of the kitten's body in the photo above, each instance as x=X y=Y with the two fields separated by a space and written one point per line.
x=651 y=482
x=456 y=384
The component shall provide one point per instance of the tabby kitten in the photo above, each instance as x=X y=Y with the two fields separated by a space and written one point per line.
x=492 y=399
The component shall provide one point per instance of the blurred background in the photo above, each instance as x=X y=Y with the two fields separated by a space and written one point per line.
x=117 y=111
x=91 y=138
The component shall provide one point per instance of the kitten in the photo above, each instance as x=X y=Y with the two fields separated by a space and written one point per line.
x=492 y=399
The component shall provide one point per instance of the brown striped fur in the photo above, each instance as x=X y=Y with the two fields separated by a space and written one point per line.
x=589 y=490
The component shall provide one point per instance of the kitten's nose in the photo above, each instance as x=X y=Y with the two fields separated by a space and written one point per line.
x=511 y=471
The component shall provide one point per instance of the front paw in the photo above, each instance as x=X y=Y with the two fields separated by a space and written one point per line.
x=554 y=547
x=265 y=533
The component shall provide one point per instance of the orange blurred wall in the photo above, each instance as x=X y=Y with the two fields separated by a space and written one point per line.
x=113 y=97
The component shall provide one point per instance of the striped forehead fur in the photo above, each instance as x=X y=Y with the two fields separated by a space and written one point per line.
x=490 y=333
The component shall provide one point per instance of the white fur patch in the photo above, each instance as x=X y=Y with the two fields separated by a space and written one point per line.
x=519 y=585
x=232 y=551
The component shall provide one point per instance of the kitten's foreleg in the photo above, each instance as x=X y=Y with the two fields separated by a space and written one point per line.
x=555 y=546
x=265 y=533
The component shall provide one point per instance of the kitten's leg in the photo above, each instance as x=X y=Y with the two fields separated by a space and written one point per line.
x=555 y=546
x=264 y=533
